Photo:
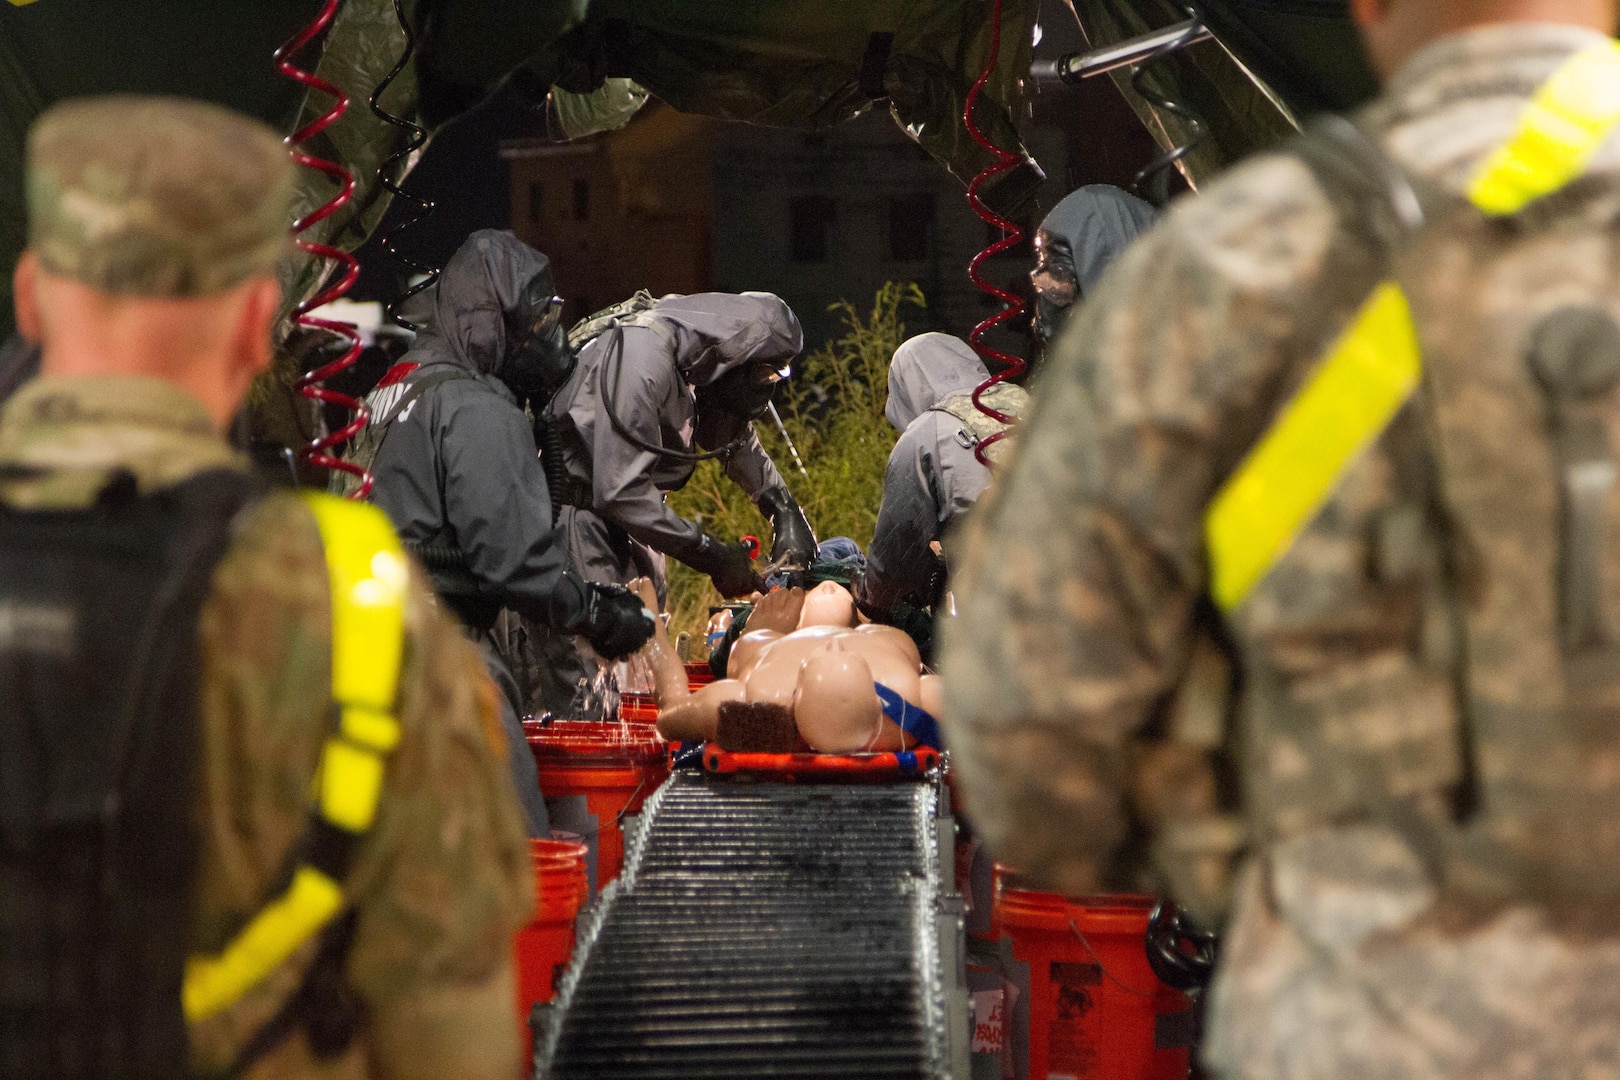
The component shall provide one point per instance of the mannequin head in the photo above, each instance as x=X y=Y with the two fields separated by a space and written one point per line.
x=828 y=604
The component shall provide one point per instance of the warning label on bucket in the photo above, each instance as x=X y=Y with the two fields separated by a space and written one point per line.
x=988 y=1021
x=1071 y=1053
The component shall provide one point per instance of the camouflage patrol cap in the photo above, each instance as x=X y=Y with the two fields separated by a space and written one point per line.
x=156 y=196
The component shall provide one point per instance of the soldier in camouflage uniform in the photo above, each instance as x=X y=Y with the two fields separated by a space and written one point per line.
x=155 y=229
x=1404 y=740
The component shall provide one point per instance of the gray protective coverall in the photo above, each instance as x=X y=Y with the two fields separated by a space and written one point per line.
x=457 y=470
x=617 y=524
x=614 y=518
x=933 y=477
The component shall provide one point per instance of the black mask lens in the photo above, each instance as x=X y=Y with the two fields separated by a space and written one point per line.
x=747 y=392
x=1056 y=284
x=540 y=360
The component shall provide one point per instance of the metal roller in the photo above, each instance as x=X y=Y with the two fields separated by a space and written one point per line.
x=767 y=930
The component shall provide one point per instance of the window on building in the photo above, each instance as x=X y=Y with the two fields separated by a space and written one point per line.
x=911 y=227
x=582 y=199
x=537 y=200
x=810 y=225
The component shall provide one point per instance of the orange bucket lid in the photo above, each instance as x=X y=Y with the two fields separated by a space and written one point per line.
x=584 y=742
x=1117 y=912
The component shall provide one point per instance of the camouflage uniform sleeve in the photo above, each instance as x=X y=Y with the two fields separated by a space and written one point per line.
x=444 y=880
x=441 y=881
x=1084 y=563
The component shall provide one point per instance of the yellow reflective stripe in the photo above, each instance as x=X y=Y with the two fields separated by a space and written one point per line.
x=212 y=983
x=1344 y=406
x=350 y=785
x=1568 y=119
x=378 y=731
x=366 y=567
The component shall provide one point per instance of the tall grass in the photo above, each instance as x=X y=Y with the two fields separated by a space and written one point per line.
x=833 y=410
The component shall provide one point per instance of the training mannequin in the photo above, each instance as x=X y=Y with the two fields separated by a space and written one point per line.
x=806 y=655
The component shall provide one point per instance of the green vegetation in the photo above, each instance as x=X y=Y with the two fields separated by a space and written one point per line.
x=842 y=437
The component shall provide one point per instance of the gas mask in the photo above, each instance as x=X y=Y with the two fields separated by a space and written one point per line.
x=1057 y=286
x=745 y=392
x=540 y=358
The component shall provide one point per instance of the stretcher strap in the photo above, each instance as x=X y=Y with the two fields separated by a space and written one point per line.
x=368 y=573
x=912 y=719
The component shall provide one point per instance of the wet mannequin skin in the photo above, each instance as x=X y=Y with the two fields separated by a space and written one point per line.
x=823 y=673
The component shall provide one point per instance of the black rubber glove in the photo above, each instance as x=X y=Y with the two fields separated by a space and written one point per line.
x=789 y=527
x=616 y=624
x=727 y=565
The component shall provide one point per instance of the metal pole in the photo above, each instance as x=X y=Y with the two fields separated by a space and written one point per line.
x=1076 y=66
x=794 y=450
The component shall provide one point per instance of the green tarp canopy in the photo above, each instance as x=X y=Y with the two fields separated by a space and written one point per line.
x=794 y=63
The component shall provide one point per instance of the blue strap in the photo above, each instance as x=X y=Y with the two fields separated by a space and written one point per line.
x=913 y=720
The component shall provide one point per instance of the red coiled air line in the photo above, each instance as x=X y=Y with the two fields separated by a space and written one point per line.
x=1005 y=160
x=310 y=385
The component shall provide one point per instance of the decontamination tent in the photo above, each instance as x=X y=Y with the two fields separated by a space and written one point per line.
x=794 y=63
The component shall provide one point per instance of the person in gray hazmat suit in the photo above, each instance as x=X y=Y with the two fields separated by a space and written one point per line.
x=661 y=385
x=456 y=468
x=1078 y=240
x=934 y=475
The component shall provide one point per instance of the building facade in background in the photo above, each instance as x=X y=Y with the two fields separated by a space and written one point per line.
x=676 y=203
x=619 y=212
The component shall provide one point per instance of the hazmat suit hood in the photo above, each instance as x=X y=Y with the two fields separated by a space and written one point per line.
x=1096 y=224
x=719 y=332
x=1076 y=244
x=926 y=370
x=481 y=299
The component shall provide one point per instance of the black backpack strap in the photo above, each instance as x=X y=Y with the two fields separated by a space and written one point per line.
x=419 y=386
x=99 y=718
x=324 y=1006
x=1374 y=195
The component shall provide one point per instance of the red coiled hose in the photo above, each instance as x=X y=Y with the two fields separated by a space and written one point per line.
x=310 y=385
x=1004 y=161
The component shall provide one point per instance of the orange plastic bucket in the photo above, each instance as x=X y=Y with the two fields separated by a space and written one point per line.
x=593 y=774
x=698 y=676
x=638 y=708
x=1096 y=1011
x=544 y=944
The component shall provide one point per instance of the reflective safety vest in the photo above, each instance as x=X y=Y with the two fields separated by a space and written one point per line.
x=1375 y=366
x=367 y=570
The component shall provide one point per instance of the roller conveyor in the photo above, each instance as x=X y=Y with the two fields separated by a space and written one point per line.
x=769 y=930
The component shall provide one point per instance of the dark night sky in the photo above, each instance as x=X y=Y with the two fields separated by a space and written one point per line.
x=463 y=173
